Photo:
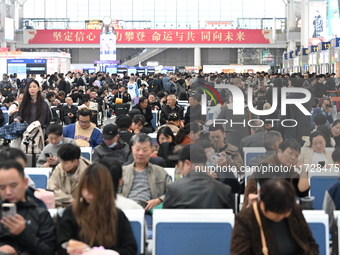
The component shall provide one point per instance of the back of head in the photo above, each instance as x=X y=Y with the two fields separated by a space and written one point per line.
x=116 y=171
x=270 y=138
x=123 y=121
x=290 y=143
x=278 y=195
x=9 y=153
x=69 y=152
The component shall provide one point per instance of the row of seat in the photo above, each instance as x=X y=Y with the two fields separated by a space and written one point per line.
x=40 y=175
x=204 y=231
x=320 y=181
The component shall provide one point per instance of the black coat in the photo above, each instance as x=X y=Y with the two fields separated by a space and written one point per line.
x=73 y=110
x=148 y=113
x=166 y=110
x=69 y=229
x=197 y=190
x=39 y=237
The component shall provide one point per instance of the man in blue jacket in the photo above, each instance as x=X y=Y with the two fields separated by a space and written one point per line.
x=84 y=132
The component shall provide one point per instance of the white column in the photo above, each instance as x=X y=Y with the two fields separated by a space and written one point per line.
x=304 y=23
x=197 y=56
x=291 y=46
x=3 y=13
x=292 y=17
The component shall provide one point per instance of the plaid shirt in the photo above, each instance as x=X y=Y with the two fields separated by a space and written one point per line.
x=13 y=131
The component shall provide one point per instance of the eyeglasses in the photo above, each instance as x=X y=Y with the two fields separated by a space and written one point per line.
x=84 y=122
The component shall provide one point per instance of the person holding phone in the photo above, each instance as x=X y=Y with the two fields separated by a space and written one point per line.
x=48 y=156
x=316 y=155
x=30 y=230
x=325 y=108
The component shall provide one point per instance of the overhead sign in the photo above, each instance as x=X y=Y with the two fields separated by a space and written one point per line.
x=151 y=36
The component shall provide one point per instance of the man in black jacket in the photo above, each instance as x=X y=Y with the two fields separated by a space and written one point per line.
x=171 y=107
x=197 y=189
x=30 y=230
x=69 y=111
x=145 y=109
x=111 y=146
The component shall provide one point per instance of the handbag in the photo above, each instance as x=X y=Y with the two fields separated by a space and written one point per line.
x=263 y=238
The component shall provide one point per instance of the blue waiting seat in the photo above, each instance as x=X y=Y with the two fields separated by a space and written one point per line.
x=136 y=218
x=190 y=231
x=251 y=152
x=318 y=187
x=318 y=223
x=39 y=176
x=86 y=152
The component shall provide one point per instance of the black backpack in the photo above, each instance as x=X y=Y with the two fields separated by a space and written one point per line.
x=153 y=86
x=6 y=88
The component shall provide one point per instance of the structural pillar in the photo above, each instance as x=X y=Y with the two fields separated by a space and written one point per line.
x=197 y=56
x=304 y=23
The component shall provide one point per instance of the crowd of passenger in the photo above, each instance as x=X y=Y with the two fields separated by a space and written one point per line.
x=126 y=170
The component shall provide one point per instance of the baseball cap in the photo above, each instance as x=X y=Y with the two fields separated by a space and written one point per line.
x=192 y=152
x=109 y=131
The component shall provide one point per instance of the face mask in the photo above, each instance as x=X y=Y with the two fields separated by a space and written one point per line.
x=60 y=143
x=112 y=145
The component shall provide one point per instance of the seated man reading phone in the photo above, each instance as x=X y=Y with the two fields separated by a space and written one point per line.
x=25 y=228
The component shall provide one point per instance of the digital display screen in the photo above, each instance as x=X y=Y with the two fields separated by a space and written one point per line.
x=22 y=67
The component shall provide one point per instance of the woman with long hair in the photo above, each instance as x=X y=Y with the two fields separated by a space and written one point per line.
x=188 y=134
x=93 y=219
x=33 y=106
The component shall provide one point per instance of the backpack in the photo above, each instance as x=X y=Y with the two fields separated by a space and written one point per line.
x=6 y=88
x=153 y=87
x=180 y=88
x=33 y=139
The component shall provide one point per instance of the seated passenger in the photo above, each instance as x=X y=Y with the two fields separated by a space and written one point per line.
x=48 y=156
x=111 y=146
x=285 y=161
x=84 y=132
x=284 y=226
x=145 y=110
x=94 y=219
x=31 y=230
x=316 y=154
x=116 y=171
x=188 y=134
x=331 y=201
x=124 y=123
x=174 y=122
x=271 y=142
x=144 y=182
x=171 y=107
x=196 y=189
x=65 y=177
x=69 y=111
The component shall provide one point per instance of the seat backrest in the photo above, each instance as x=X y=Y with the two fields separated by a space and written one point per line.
x=39 y=175
x=171 y=172
x=6 y=117
x=336 y=236
x=154 y=120
x=136 y=219
x=318 y=187
x=186 y=231
x=153 y=137
x=318 y=223
x=86 y=152
x=251 y=152
x=121 y=109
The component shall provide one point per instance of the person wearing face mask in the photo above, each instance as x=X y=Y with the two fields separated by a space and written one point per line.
x=48 y=156
x=111 y=146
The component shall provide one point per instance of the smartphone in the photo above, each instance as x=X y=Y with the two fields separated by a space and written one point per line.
x=8 y=209
x=48 y=155
x=322 y=163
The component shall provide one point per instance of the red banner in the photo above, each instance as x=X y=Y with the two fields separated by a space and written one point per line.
x=151 y=36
